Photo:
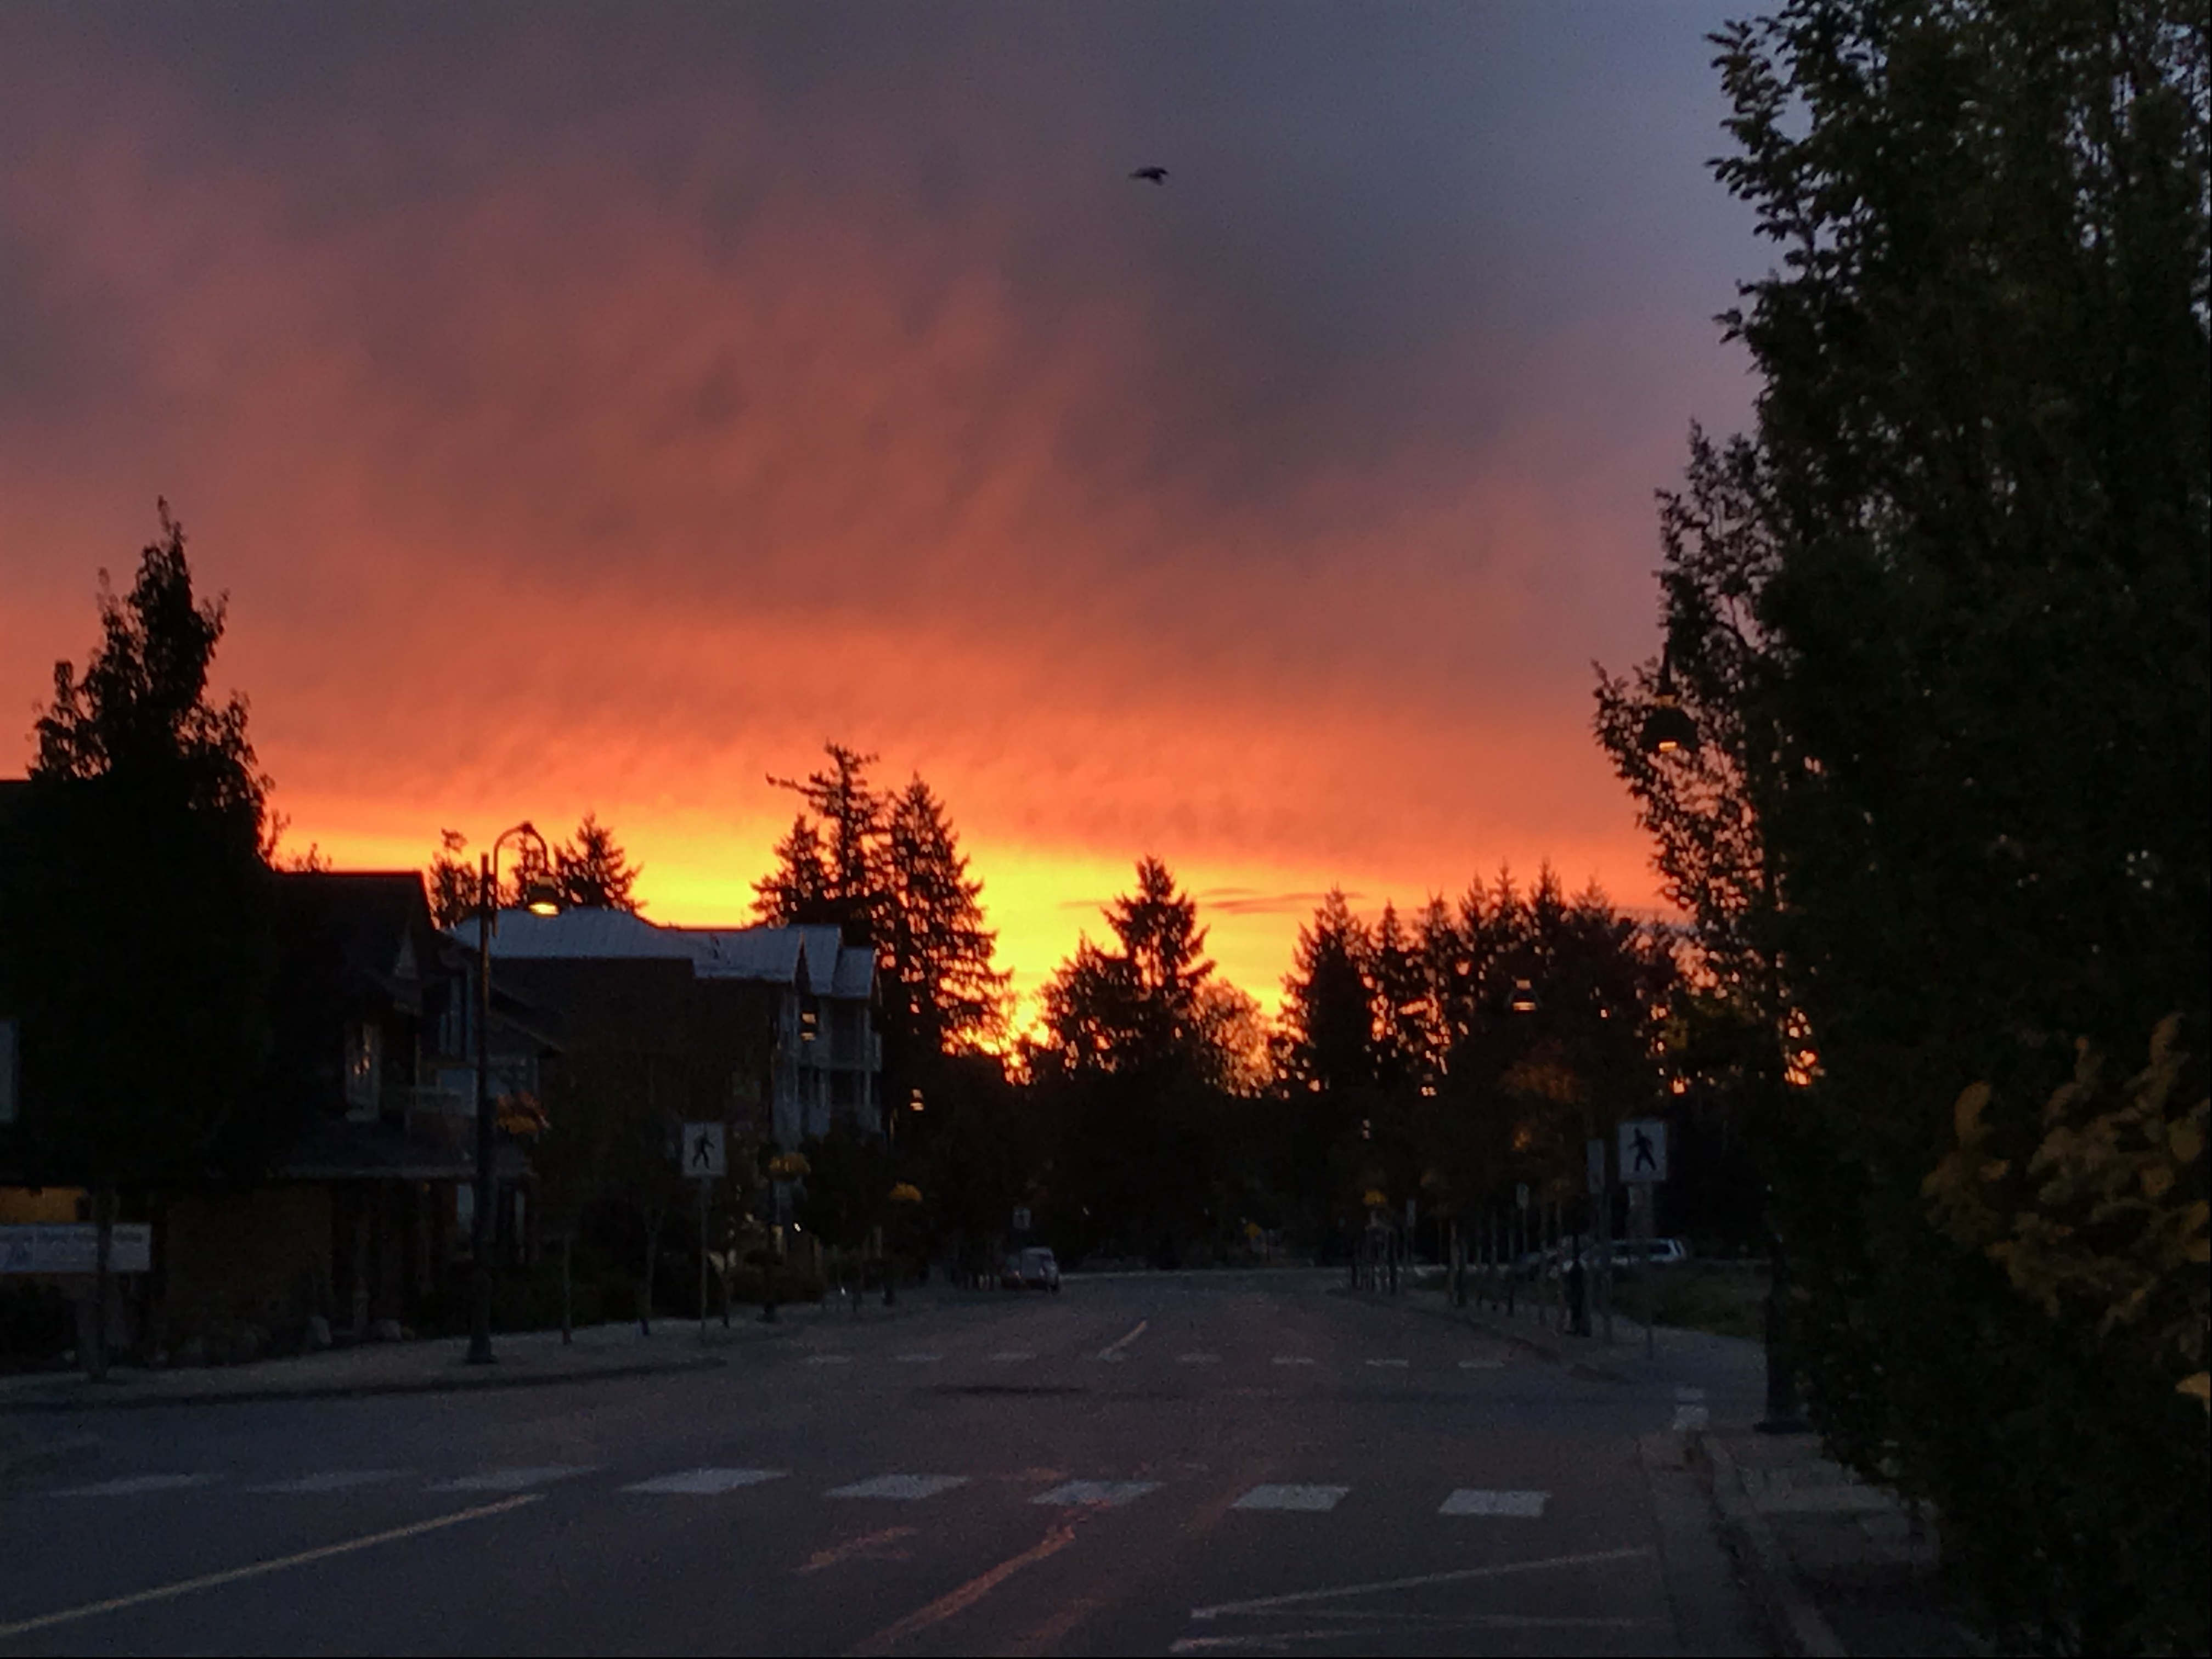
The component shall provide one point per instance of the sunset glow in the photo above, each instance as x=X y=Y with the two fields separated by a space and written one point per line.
x=606 y=436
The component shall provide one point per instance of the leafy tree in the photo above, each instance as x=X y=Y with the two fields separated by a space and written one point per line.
x=136 y=941
x=593 y=872
x=1942 y=623
x=451 y=882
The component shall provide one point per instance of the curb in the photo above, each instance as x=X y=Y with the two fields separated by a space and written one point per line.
x=360 y=1390
x=1788 y=1608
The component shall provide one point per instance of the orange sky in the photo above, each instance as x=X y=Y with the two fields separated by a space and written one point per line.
x=585 y=416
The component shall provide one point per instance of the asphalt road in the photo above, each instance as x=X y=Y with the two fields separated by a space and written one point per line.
x=1155 y=1464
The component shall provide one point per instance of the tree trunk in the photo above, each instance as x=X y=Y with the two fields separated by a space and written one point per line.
x=568 y=1289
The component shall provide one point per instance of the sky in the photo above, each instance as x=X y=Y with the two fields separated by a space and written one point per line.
x=598 y=408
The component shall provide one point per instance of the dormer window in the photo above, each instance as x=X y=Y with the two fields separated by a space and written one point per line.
x=364 y=1068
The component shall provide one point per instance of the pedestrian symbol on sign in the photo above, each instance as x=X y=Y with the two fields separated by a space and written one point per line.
x=702 y=1152
x=1643 y=1150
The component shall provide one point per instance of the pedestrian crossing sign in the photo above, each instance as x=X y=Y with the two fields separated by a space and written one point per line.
x=703 y=1152
x=1643 y=1150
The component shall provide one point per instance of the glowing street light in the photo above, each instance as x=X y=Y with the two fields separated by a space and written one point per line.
x=542 y=898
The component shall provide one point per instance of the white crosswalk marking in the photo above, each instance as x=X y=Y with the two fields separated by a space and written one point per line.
x=920 y=1358
x=332 y=1481
x=519 y=1479
x=1482 y=1365
x=1197 y=1360
x=900 y=1486
x=1013 y=1356
x=1690 y=1417
x=1522 y=1506
x=1096 y=1494
x=1390 y=1364
x=1312 y=1499
x=1293 y=1359
x=705 y=1483
x=135 y=1484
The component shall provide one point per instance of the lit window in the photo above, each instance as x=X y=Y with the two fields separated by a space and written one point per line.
x=364 y=1068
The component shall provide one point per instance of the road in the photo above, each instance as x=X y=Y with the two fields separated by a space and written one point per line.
x=1190 y=1463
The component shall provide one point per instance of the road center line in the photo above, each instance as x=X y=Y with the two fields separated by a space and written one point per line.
x=259 y=1569
x=1459 y=1577
x=955 y=1602
x=1113 y=1350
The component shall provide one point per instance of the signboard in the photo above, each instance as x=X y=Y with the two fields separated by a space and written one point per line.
x=73 y=1247
x=703 y=1151
x=1596 y=1159
x=1644 y=1149
x=1022 y=1218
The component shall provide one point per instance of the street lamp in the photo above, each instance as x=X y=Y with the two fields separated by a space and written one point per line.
x=540 y=897
x=782 y=1168
x=1669 y=729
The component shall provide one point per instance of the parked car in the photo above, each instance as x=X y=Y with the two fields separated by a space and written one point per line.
x=1650 y=1252
x=1033 y=1269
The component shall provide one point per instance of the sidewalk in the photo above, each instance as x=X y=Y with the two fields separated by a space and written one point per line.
x=438 y=1365
x=1840 y=1569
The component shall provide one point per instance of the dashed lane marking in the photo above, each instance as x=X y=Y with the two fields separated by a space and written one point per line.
x=1112 y=1353
x=1293 y=1359
x=1482 y=1365
x=1390 y=1364
x=134 y=1485
x=1471 y=1500
x=1313 y=1500
x=332 y=1481
x=1013 y=1356
x=706 y=1483
x=920 y=1358
x=829 y=1359
x=515 y=1479
x=1096 y=1494
x=905 y=1487
x=1197 y=1360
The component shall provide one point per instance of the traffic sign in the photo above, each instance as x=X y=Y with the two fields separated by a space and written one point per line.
x=1644 y=1149
x=1021 y=1218
x=704 y=1152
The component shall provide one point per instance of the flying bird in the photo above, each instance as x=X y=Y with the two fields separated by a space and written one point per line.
x=1157 y=175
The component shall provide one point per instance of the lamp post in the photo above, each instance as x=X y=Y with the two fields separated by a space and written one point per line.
x=540 y=897
x=904 y=1196
x=782 y=1168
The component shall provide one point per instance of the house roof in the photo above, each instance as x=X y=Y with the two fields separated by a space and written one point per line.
x=778 y=956
x=375 y=915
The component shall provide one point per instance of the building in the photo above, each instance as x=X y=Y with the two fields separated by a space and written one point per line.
x=774 y=1026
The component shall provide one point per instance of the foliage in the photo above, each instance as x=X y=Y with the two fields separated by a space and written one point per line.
x=1941 y=623
x=594 y=873
x=137 y=933
x=2108 y=1215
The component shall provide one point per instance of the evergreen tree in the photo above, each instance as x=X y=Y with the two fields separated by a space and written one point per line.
x=593 y=872
x=795 y=891
x=136 y=943
x=1328 y=1012
x=853 y=815
x=943 y=989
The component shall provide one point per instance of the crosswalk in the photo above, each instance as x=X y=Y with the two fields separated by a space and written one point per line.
x=890 y=1487
x=1117 y=1355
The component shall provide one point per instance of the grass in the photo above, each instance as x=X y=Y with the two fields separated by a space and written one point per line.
x=1728 y=1298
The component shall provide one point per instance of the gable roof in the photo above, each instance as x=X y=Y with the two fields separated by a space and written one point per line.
x=814 y=957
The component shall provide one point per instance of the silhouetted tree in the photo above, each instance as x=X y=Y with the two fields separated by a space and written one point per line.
x=942 y=990
x=794 y=891
x=593 y=872
x=136 y=941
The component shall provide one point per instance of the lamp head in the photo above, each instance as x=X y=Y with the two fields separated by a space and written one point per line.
x=1523 y=999
x=1669 y=729
x=540 y=896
